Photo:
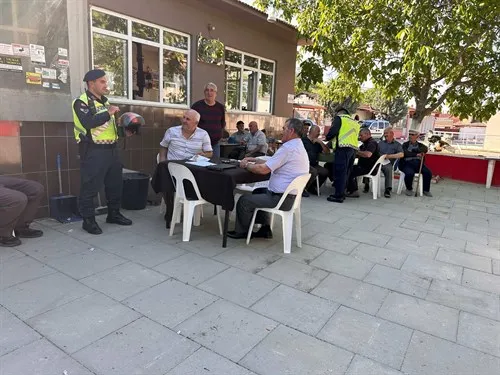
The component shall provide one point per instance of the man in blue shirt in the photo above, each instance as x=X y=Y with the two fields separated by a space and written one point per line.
x=393 y=150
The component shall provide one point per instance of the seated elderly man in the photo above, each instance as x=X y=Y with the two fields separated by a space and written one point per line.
x=289 y=162
x=314 y=146
x=393 y=151
x=255 y=141
x=414 y=151
x=19 y=200
x=367 y=157
x=181 y=143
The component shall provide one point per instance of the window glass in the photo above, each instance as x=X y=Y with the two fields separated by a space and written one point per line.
x=110 y=55
x=175 y=77
x=108 y=22
x=145 y=32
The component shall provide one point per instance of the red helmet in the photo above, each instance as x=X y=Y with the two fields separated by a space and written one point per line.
x=130 y=122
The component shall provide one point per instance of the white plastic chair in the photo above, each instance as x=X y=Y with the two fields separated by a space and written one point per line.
x=297 y=186
x=375 y=179
x=317 y=186
x=401 y=183
x=163 y=206
x=181 y=173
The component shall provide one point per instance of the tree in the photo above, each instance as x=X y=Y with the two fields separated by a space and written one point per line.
x=337 y=94
x=432 y=51
x=392 y=110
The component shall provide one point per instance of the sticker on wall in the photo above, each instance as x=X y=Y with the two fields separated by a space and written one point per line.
x=11 y=64
x=6 y=49
x=37 y=53
x=38 y=70
x=33 y=78
x=62 y=62
x=46 y=85
x=62 y=52
x=21 y=49
x=56 y=86
x=49 y=73
x=63 y=75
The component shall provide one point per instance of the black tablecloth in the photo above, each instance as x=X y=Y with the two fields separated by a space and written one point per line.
x=215 y=187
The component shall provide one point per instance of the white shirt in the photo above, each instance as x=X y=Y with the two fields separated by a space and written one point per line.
x=289 y=162
x=180 y=148
x=256 y=140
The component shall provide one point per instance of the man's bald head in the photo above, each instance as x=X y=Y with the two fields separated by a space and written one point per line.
x=252 y=125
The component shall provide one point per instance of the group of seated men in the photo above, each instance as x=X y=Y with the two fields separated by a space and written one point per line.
x=253 y=142
x=408 y=156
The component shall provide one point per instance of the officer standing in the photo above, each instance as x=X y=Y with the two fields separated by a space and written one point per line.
x=345 y=130
x=97 y=135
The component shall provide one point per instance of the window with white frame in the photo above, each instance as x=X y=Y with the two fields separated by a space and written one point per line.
x=143 y=61
x=249 y=82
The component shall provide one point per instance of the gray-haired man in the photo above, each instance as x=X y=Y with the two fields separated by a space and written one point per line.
x=393 y=150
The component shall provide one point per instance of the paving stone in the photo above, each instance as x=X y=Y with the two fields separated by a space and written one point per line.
x=481 y=250
x=191 y=268
x=392 y=230
x=170 y=302
x=9 y=253
x=205 y=361
x=364 y=334
x=423 y=227
x=41 y=295
x=364 y=366
x=453 y=243
x=463 y=298
x=31 y=269
x=429 y=268
x=81 y=322
x=142 y=347
x=248 y=259
x=287 y=351
x=227 y=329
x=343 y=264
x=425 y=316
x=399 y=281
x=304 y=254
x=208 y=246
x=464 y=236
x=296 y=309
x=411 y=247
x=85 y=264
x=379 y=255
x=479 y=333
x=330 y=242
x=353 y=293
x=14 y=333
x=123 y=281
x=496 y=266
x=240 y=287
x=294 y=274
x=40 y=358
x=465 y=260
x=482 y=281
x=431 y=355
x=494 y=242
x=369 y=238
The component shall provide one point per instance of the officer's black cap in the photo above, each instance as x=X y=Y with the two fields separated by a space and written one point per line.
x=343 y=109
x=94 y=74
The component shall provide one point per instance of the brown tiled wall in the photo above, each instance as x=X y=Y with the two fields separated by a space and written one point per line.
x=29 y=149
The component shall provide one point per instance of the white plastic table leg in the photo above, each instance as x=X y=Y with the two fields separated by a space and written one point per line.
x=491 y=169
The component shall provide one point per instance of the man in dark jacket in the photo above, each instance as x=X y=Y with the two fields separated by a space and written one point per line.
x=414 y=151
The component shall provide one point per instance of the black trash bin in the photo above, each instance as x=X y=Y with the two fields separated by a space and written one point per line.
x=135 y=191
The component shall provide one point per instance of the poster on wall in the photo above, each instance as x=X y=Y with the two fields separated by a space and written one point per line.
x=63 y=63
x=6 y=49
x=33 y=78
x=37 y=53
x=49 y=73
x=11 y=64
x=21 y=49
x=62 y=52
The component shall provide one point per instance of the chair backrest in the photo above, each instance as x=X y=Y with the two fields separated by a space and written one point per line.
x=180 y=173
x=297 y=185
x=158 y=158
x=377 y=165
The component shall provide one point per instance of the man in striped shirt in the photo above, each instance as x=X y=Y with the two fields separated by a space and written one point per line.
x=213 y=116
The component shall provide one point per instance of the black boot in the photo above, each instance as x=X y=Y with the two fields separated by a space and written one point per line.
x=115 y=217
x=9 y=241
x=90 y=225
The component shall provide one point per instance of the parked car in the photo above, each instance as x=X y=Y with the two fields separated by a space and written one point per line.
x=376 y=126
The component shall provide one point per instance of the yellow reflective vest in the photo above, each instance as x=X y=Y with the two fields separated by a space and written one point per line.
x=106 y=133
x=349 y=131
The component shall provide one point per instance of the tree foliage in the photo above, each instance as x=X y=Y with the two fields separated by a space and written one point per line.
x=392 y=110
x=432 y=51
x=338 y=93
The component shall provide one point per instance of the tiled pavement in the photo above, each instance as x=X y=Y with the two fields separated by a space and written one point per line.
x=400 y=286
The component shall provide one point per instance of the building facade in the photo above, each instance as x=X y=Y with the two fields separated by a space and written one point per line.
x=158 y=55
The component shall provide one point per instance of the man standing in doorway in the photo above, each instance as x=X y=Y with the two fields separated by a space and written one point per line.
x=97 y=135
x=213 y=116
x=345 y=132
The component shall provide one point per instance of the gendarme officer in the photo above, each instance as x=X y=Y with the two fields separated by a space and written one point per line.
x=97 y=135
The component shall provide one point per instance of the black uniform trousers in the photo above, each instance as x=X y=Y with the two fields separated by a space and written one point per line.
x=344 y=160
x=99 y=164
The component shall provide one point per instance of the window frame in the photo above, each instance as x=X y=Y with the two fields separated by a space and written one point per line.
x=242 y=68
x=161 y=48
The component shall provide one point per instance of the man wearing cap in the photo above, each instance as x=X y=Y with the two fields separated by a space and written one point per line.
x=97 y=135
x=414 y=151
x=344 y=132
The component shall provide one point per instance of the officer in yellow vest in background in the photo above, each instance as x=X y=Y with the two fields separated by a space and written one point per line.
x=97 y=135
x=344 y=135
